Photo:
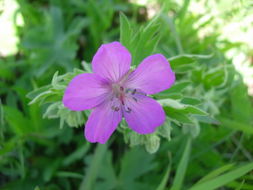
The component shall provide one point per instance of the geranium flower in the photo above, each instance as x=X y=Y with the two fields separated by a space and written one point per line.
x=114 y=92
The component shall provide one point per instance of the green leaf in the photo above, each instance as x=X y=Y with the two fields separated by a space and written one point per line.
x=1 y=117
x=242 y=107
x=215 y=77
x=236 y=125
x=125 y=30
x=17 y=121
x=207 y=119
x=175 y=90
x=178 y=87
x=38 y=91
x=224 y=179
x=136 y=42
x=194 y=110
x=185 y=62
x=66 y=174
x=182 y=108
x=107 y=175
x=180 y=173
x=190 y=100
x=162 y=95
x=37 y=188
x=78 y=154
x=163 y=183
x=93 y=169
x=177 y=116
x=51 y=169
x=215 y=173
x=134 y=164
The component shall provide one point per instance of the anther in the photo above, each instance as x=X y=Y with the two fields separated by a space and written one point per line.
x=121 y=88
x=115 y=108
x=135 y=99
x=128 y=110
x=134 y=91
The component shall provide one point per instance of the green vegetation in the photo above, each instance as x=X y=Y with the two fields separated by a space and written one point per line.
x=206 y=141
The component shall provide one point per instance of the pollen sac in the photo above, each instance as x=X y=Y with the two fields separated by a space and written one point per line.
x=115 y=108
x=135 y=99
x=128 y=110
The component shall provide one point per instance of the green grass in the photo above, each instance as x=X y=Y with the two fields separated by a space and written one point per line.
x=206 y=140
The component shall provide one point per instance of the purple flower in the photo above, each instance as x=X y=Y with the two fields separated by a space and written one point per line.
x=114 y=91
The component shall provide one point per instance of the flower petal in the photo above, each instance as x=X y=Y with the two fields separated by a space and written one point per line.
x=153 y=75
x=112 y=61
x=102 y=123
x=85 y=91
x=146 y=114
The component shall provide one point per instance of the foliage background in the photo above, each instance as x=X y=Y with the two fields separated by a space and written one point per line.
x=206 y=142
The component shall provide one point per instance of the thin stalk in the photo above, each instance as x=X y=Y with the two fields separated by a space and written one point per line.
x=91 y=175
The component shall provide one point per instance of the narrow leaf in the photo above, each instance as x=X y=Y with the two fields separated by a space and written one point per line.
x=180 y=173
x=224 y=179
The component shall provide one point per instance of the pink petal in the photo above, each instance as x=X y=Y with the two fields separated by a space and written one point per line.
x=112 y=61
x=102 y=123
x=85 y=91
x=153 y=75
x=146 y=114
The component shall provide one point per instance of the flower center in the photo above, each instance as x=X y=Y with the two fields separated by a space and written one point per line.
x=120 y=94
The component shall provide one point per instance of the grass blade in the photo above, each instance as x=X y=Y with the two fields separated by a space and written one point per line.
x=224 y=179
x=180 y=173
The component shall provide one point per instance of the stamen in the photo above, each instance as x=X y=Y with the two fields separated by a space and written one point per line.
x=134 y=91
x=135 y=99
x=115 y=108
x=128 y=90
x=142 y=93
x=121 y=88
x=128 y=110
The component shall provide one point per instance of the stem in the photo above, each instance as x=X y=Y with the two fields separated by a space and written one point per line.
x=91 y=175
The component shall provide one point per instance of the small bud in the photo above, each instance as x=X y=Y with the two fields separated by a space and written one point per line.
x=152 y=143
